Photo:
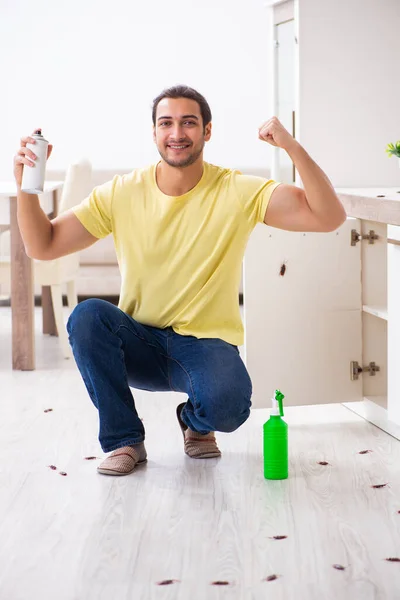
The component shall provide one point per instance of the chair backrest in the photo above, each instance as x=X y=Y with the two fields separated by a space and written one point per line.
x=77 y=184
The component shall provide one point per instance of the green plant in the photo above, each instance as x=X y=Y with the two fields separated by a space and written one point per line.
x=393 y=149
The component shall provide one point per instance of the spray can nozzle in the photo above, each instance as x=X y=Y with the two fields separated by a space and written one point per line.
x=277 y=404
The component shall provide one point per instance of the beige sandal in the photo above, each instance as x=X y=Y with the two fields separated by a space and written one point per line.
x=123 y=460
x=197 y=445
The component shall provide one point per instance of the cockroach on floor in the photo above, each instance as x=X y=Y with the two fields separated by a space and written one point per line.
x=167 y=582
x=220 y=583
x=393 y=559
x=282 y=270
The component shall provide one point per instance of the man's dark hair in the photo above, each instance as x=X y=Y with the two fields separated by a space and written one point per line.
x=183 y=91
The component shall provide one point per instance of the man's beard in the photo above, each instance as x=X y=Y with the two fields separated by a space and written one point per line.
x=183 y=162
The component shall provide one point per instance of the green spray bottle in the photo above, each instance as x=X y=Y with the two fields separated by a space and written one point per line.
x=276 y=461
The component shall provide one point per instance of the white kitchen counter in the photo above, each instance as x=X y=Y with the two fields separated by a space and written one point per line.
x=381 y=205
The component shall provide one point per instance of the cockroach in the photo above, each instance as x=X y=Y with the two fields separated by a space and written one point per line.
x=365 y=451
x=167 y=582
x=48 y=410
x=393 y=559
x=282 y=270
x=220 y=583
x=381 y=196
x=90 y=457
x=398 y=512
x=339 y=567
x=278 y=537
x=271 y=578
x=63 y=473
x=53 y=467
x=323 y=463
x=379 y=485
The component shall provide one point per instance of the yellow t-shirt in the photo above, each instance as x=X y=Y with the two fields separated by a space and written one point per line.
x=180 y=257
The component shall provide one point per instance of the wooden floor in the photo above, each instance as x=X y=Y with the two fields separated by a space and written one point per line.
x=89 y=537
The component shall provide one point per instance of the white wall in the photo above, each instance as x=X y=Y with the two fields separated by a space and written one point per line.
x=349 y=72
x=86 y=71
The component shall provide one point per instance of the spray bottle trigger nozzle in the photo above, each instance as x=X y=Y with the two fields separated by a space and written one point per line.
x=279 y=399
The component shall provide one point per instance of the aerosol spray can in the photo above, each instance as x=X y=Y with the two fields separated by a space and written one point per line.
x=33 y=177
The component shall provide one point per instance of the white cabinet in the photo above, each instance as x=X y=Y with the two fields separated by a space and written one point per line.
x=303 y=329
x=335 y=311
x=336 y=65
x=338 y=304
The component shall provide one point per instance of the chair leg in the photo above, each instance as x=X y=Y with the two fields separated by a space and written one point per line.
x=48 y=321
x=72 y=295
x=56 y=296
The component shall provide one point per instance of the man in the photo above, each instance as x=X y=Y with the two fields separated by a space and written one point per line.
x=180 y=229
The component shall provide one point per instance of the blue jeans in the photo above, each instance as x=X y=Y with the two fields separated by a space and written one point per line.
x=114 y=352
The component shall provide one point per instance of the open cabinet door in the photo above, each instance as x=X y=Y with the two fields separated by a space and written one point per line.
x=303 y=327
